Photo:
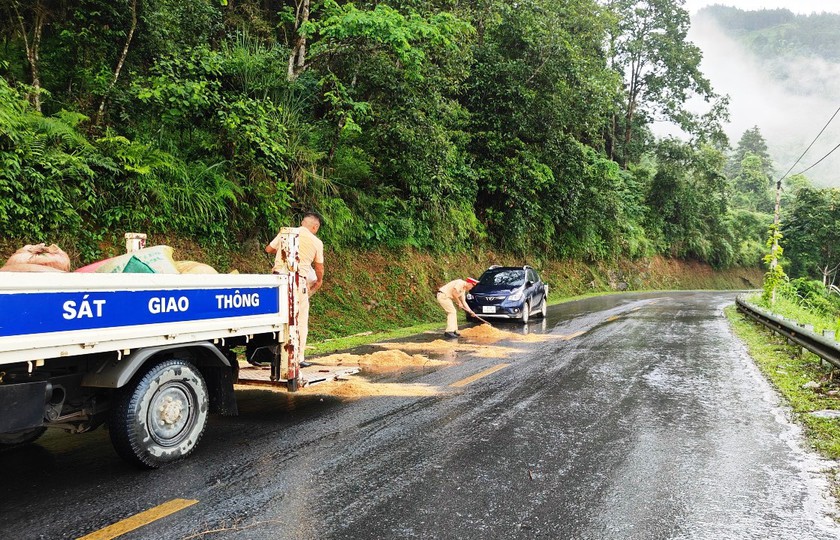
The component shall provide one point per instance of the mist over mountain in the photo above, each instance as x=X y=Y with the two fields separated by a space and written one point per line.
x=780 y=71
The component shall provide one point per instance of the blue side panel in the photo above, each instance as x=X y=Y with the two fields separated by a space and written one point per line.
x=35 y=313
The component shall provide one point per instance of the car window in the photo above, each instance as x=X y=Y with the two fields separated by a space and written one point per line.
x=532 y=276
x=508 y=278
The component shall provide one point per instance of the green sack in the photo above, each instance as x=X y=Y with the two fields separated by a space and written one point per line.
x=136 y=266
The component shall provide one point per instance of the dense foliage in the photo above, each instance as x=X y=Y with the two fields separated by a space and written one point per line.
x=440 y=125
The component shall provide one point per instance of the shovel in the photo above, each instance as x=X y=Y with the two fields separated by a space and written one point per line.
x=480 y=319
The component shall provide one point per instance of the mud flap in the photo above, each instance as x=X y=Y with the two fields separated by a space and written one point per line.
x=219 y=382
x=24 y=405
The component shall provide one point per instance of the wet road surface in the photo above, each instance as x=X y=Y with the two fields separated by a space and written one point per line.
x=643 y=419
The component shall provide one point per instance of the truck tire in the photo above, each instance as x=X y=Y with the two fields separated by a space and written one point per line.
x=20 y=438
x=161 y=415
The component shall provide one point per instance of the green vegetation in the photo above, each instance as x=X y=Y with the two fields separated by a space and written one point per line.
x=790 y=370
x=774 y=33
x=806 y=302
x=800 y=376
x=441 y=126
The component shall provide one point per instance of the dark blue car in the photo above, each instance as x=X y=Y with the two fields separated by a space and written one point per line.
x=511 y=292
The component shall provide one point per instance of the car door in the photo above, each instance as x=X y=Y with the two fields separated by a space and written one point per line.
x=537 y=289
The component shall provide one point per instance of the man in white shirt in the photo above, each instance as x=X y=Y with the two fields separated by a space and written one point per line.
x=310 y=271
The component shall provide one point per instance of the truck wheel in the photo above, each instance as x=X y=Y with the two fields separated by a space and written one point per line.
x=20 y=438
x=160 y=417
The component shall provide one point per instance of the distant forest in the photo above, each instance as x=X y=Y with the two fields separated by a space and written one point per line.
x=779 y=32
x=438 y=125
x=780 y=40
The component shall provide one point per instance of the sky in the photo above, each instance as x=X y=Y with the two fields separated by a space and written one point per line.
x=796 y=6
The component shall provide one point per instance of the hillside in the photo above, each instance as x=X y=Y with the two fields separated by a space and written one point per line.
x=382 y=290
x=435 y=126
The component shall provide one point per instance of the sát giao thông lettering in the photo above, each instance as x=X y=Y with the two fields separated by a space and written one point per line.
x=237 y=300
x=83 y=309
x=166 y=304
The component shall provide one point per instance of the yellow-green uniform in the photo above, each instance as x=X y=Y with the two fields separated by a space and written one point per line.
x=447 y=295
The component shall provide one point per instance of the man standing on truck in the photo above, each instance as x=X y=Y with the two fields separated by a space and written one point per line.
x=310 y=271
x=456 y=290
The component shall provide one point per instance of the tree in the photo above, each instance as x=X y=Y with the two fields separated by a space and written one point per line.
x=811 y=225
x=751 y=142
x=31 y=18
x=754 y=187
x=297 y=54
x=661 y=69
x=539 y=95
x=689 y=204
x=120 y=62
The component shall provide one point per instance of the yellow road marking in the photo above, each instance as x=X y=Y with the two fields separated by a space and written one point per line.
x=576 y=334
x=613 y=318
x=138 y=520
x=486 y=372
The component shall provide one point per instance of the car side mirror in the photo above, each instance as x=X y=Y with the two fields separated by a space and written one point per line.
x=529 y=283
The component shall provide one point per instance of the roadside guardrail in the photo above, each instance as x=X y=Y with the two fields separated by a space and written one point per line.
x=822 y=346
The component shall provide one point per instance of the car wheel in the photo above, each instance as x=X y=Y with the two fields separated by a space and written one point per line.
x=544 y=308
x=161 y=417
x=526 y=312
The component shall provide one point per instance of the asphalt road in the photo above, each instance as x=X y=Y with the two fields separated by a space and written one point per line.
x=641 y=418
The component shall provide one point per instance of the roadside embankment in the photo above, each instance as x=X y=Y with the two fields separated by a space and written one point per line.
x=371 y=291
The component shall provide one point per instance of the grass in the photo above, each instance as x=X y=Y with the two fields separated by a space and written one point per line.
x=789 y=369
x=789 y=309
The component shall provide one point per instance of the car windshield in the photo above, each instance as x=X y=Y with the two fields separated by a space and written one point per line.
x=503 y=277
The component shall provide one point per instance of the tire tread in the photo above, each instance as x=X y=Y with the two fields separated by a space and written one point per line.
x=121 y=423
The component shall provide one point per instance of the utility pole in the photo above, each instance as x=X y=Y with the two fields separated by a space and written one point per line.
x=774 y=249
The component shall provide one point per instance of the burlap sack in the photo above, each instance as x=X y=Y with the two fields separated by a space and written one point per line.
x=24 y=267
x=41 y=254
x=157 y=259
x=192 y=267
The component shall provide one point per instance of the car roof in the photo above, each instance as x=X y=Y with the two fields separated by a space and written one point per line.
x=497 y=267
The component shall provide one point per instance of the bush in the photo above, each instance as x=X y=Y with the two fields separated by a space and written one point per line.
x=812 y=295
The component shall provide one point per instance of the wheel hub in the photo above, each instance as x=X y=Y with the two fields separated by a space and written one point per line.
x=170 y=411
x=170 y=415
